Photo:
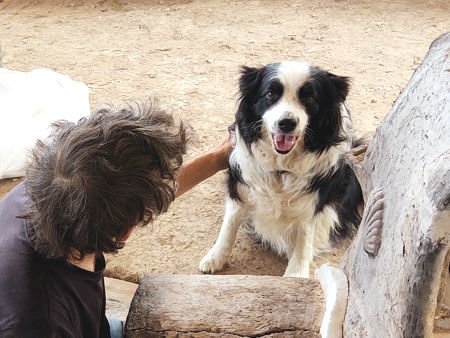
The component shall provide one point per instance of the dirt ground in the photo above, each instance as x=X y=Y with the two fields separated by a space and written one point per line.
x=188 y=53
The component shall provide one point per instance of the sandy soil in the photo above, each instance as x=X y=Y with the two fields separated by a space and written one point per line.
x=188 y=54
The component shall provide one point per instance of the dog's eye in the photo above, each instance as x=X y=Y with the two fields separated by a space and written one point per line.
x=306 y=93
x=308 y=99
x=271 y=96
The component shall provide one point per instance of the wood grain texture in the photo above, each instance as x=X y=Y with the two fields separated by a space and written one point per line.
x=119 y=295
x=8 y=184
x=393 y=288
x=225 y=306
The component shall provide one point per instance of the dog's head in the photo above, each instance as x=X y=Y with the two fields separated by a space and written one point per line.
x=291 y=105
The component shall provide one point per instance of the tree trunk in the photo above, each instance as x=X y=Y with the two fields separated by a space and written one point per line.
x=398 y=264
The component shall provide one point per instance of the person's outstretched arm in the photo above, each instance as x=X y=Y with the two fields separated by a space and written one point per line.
x=204 y=166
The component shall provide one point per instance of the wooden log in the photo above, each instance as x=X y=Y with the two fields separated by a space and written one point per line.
x=398 y=264
x=225 y=306
x=8 y=184
x=119 y=295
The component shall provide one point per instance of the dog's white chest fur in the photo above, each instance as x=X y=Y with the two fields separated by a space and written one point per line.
x=277 y=204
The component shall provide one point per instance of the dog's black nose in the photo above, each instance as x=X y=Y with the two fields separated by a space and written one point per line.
x=287 y=124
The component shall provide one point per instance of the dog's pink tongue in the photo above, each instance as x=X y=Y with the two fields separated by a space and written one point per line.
x=283 y=142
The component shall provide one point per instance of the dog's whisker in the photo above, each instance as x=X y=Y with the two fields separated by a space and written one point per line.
x=309 y=135
x=256 y=125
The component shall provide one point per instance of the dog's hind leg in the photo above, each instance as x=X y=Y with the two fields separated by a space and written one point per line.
x=217 y=256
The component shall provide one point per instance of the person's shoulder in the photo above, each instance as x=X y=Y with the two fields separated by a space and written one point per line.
x=23 y=301
x=17 y=197
x=13 y=229
x=14 y=203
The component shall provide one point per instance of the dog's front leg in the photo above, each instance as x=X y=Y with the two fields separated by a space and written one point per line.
x=302 y=255
x=217 y=256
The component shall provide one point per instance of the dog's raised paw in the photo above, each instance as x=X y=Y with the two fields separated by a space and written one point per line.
x=213 y=261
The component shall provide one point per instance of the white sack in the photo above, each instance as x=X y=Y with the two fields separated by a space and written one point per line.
x=29 y=102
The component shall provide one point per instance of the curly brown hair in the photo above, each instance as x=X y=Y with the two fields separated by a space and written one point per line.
x=92 y=181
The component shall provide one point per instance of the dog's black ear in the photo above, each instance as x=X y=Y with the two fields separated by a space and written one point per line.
x=341 y=85
x=249 y=80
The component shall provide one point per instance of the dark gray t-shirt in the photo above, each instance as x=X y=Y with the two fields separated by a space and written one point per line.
x=41 y=297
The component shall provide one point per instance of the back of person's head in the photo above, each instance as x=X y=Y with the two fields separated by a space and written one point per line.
x=92 y=181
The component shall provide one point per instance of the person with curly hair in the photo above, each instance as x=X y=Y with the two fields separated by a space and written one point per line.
x=86 y=188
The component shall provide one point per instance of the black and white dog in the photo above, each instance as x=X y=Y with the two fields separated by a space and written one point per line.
x=287 y=177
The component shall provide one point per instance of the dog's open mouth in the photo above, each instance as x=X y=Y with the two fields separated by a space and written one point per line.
x=283 y=142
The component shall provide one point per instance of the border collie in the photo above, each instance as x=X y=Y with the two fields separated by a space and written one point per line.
x=288 y=178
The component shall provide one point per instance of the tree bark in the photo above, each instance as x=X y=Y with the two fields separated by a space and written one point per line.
x=397 y=266
x=225 y=306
